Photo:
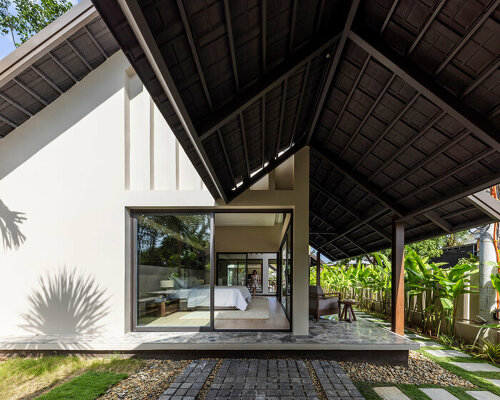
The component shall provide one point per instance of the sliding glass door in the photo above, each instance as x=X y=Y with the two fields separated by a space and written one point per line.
x=181 y=283
x=285 y=259
x=173 y=270
x=231 y=269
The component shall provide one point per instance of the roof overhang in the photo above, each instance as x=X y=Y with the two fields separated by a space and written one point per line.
x=400 y=126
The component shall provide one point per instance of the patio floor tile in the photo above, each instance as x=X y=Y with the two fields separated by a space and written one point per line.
x=438 y=394
x=390 y=393
x=448 y=353
x=479 y=395
x=476 y=367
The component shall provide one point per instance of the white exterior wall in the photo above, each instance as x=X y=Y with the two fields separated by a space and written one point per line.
x=71 y=174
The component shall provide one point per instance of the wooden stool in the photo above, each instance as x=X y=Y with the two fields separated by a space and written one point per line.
x=348 y=311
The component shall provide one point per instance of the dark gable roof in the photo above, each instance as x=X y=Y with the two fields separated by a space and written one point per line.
x=51 y=62
x=397 y=99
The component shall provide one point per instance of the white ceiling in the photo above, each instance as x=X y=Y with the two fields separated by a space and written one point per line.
x=247 y=219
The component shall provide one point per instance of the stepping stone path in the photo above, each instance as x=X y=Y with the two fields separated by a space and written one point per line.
x=428 y=343
x=189 y=383
x=413 y=336
x=448 y=353
x=335 y=381
x=483 y=395
x=390 y=393
x=495 y=382
x=476 y=367
x=262 y=379
x=439 y=394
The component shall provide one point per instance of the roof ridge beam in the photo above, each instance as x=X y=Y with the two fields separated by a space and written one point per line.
x=486 y=203
x=357 y=178
x=470 y=119
x=332 y=68
x=144 y=36
x=489 y=181
x=362 y=219
x=437 y=220
x=269 y=81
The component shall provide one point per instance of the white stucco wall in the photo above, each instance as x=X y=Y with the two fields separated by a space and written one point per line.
x=70 y=174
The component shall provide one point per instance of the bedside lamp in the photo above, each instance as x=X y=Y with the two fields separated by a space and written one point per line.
x=167 y=284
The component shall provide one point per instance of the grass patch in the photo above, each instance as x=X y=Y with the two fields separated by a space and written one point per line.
x=476 y=378
x=412 y=391
x=23 y=377
x=87 y=386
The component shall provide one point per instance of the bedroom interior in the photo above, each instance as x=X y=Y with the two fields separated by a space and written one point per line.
x=194 y=263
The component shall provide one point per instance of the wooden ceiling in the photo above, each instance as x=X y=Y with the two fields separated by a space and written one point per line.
x=398 y=100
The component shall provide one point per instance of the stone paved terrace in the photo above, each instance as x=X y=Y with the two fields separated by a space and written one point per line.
x=360 y=335
x=263 y=379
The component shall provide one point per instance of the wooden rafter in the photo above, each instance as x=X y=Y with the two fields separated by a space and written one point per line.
x=332 y=68
x=424 y=84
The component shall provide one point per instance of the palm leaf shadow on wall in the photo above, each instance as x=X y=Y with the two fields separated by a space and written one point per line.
x=66 y=302
x=10 y=222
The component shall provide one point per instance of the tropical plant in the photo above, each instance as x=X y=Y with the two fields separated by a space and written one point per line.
x=23 y=18
x=431 y=289
x=490 y=350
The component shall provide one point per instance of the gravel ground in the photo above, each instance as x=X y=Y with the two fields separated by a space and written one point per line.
x=149 y=382
x=421 y=370
x=209 y=381
x=317 y=385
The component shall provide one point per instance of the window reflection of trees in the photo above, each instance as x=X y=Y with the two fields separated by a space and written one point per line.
x=174 y=240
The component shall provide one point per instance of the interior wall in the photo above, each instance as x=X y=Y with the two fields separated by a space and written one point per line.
x=247 y=239
x=296 y=199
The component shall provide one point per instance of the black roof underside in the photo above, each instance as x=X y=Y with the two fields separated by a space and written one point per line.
x=54 y=73
x=398 y=100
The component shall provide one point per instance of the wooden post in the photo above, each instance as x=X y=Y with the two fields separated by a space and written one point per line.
x=318 y=268
x=398 y=274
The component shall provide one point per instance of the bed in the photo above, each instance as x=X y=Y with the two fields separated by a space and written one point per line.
x=224 y=297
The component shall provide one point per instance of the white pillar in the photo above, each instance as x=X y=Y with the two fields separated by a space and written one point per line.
x=301 y=246
x=487 y=261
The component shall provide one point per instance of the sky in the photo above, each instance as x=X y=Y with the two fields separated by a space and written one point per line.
x=6 y=45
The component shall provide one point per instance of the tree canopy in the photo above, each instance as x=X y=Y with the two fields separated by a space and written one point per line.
x=21 y=19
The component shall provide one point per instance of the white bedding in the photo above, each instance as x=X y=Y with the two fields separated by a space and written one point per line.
x=225 y=296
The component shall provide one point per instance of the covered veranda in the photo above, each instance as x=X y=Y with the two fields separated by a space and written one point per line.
x=397 y=101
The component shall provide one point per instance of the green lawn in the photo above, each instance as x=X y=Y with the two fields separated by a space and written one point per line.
x=27 y=377
x=413 y=392
x=87 y=386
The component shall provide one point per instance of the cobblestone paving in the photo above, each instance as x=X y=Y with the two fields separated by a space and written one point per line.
x=262 y=379
x=189 y=383
x=335 y=382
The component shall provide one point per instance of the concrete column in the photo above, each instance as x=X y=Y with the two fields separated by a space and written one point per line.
x=300 y=305
x=398 y=277
x=487 y=261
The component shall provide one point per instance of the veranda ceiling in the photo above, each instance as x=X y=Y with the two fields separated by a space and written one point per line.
x=399 y=101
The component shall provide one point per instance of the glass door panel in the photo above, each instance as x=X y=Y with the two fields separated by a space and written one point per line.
x=231 y=269
x=255 y=265
x=173 y=270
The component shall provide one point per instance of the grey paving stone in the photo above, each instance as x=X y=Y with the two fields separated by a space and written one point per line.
x=476 y=367
x=480 y=395
x=448 y=353
x=414 y=336
x=188 y=384
x=390 y=393
x=495 y=382
x=438 y=394
x=428 y=343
